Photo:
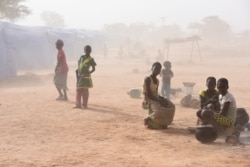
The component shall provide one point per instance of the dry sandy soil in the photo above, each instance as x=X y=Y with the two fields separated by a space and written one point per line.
x=37 y=130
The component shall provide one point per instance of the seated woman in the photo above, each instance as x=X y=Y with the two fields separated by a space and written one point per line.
x=209 y=98
x=161 y=110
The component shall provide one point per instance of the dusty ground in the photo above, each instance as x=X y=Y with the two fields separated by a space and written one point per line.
x=37 y=130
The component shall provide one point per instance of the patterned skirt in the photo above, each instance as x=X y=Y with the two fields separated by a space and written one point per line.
x=84 y=82
x=60 y=80
x=222 y=120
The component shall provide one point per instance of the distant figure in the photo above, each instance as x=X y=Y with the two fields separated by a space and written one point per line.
x=105 y=50
x=120 y=53
x=209 y=98
x=161 y=110
x=86 y=66
x=226 y=118
x=61 y=72
x=166 y=75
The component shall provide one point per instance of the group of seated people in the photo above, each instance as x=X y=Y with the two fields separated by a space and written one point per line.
x=217 y=106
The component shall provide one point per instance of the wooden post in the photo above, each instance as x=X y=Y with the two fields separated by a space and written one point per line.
x=197 y=43
x=167 y=50
x=191 y=56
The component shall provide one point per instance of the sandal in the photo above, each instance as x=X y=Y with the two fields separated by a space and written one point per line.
x=60 y=98
x=77 y=106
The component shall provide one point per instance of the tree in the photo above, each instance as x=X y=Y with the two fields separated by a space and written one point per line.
x=53 y=19
x=115 y=33
x=13 y=10
x=213 y=28
x=196 y=27
x=116 y=28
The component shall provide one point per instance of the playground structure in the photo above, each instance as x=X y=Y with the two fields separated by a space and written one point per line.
x=194 y=39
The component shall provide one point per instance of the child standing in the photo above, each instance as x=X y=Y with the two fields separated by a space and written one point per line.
x=86 y=66
x=166 y=75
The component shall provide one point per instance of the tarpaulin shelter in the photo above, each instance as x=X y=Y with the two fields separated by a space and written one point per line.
x=25 y=48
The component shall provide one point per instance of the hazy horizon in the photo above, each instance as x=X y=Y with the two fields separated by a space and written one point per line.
x=95 y=14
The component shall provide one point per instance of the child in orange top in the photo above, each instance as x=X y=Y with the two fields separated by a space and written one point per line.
x=61 y=72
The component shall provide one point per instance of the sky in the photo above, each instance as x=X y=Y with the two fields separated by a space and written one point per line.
x=94 y=14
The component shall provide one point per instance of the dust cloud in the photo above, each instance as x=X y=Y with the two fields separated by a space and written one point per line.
x=37 y=130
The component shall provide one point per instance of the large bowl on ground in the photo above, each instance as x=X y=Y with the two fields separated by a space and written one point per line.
x=206 y=133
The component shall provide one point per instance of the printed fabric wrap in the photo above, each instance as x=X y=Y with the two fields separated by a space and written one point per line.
x=222 y=120
x=60 y=80
x=162 y=115
x=84 y=64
